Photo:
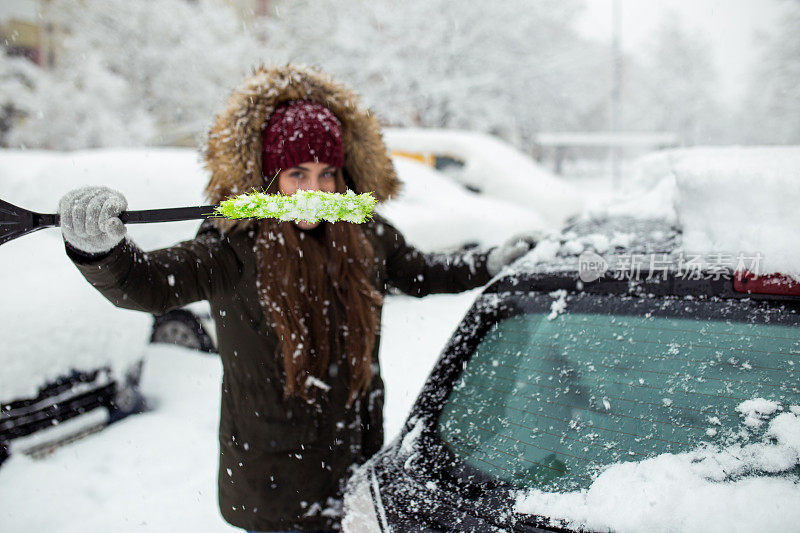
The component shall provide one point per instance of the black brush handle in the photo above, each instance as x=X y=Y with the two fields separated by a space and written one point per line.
x=169 y=214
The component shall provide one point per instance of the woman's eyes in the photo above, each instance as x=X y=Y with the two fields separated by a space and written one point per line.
x=300 y=175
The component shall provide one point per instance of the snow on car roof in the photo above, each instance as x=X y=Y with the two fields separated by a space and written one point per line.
x=741 y=200
x=736 y=202
x=612 y=238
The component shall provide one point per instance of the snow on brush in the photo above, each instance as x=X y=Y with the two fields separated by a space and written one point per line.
x=730 y=487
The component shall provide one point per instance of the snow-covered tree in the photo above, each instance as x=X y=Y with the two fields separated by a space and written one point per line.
x=18 y=81
x=130 y=70
x=772 y=108
x=87 y=108
x=511 y=68
x=674 y=86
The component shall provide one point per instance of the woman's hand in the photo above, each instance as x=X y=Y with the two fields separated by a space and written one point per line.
x=508 y=252
x=89 y=218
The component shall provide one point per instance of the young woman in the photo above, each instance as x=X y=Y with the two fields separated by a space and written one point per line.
x=297 y=305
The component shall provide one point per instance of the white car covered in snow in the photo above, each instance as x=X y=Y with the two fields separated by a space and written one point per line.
x=519 y=190
x=70 y=360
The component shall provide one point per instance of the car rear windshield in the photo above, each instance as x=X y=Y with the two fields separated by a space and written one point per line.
x=558 y=388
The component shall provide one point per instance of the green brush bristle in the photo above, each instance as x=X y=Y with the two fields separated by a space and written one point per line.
x=306 y=206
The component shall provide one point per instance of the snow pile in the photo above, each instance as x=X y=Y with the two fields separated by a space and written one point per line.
x=543 y=252
x=496 y=168
x=709 y=489
x=742 y=200
x=645 y=200
x=732 y=200
x=559 y=305
x=755 y=411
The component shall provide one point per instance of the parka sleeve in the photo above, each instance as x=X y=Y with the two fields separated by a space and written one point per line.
x=164 y=279
x=418 y=274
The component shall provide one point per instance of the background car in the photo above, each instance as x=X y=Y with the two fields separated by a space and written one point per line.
x=487 y=165
x=551 y=382
x=71 y=361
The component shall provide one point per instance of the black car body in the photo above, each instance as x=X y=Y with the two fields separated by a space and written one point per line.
x=550 y=378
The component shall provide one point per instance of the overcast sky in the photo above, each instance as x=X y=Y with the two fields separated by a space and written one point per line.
x=731 y=27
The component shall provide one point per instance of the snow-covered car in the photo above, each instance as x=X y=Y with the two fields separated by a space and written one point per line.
x=582 y=394
x=70 y=360
x=634 y=373
x=491 y=167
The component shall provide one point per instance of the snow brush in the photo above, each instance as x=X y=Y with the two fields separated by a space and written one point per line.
x=307 y=206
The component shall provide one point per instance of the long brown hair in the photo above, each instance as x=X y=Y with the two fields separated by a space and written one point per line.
x=302 y=275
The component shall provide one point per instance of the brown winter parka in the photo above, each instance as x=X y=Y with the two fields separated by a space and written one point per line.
x=283 y=462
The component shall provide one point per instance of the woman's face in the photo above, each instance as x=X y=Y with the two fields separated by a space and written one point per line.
x=309 y=176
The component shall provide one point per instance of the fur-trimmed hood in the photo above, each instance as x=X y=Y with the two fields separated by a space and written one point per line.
x=233 y=152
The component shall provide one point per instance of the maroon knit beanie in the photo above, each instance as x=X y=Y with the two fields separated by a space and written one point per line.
x=300 y=131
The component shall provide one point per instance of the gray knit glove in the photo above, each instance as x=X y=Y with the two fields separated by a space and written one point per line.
x=89 y=218
x=508 y=252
